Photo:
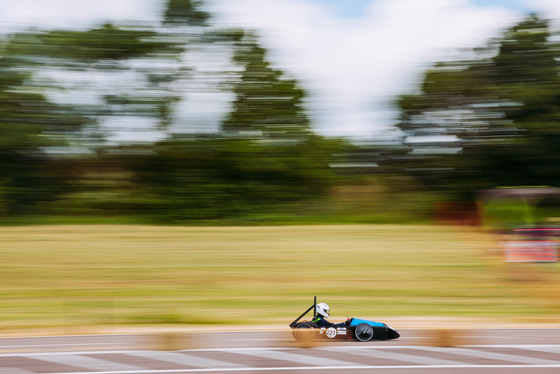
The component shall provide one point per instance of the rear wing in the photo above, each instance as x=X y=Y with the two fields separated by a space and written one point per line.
x=314 y=307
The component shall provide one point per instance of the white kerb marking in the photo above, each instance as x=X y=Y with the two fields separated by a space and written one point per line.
x=298 y=358
x=494 y=356
x=401 y=357
x=541 y=348
x=184 y=359
x=84 y=362
x=338 y=369
x=14 y=371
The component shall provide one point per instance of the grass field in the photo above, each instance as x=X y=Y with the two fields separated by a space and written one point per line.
x=108 y=275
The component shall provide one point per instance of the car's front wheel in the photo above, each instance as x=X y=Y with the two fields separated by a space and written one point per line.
x=363 y=332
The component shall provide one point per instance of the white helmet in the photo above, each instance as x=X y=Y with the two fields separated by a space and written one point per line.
x=323 y=310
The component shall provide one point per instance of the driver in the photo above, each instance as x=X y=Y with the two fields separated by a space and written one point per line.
x=323 y=310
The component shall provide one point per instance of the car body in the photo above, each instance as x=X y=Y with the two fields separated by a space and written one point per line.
x=354 y=328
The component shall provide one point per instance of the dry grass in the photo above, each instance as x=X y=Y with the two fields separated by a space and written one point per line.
x=76 y=275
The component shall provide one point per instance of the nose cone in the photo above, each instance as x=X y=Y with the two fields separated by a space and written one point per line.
x=392 y=333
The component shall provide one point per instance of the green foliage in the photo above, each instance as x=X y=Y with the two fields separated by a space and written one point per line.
x=267 y=105
x=264 y=157
x=108 y=42
x=265 y=161
x=194 y=179
x=502 y=108
x=185 y=12
x=30 y=126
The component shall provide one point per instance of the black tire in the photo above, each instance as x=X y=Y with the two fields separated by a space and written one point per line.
x=363 y=332
x=299 y=335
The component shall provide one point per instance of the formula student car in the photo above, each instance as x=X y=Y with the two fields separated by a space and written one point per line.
x=354 y=328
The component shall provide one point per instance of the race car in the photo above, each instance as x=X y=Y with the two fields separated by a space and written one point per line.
x=354 y=328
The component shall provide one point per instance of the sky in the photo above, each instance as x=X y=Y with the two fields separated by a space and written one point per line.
x=354 y=57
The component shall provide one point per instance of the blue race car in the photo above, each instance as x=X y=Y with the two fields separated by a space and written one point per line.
x=354 y=328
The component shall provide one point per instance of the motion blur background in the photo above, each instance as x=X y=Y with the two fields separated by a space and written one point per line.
x=244 y=113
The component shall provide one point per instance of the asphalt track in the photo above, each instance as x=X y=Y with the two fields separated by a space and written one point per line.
x=494 y=351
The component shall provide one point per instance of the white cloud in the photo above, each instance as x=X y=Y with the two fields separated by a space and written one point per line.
x=354 y=67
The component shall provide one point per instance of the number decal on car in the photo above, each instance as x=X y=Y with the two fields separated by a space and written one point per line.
x=331 y=332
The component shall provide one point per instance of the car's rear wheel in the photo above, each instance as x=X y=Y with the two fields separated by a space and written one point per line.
x=301 y=332
x=363 y=332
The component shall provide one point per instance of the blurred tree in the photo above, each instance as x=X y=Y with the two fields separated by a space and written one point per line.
x=32 y=129
x=107 y=42
x=185 y=12
x=527 y=72
x=204 y=63
x=214 y=177
x=129 y=69
x=491 y=120
x=266 y=154
x=267 y=105
x=42 y=141
x=274 y=155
